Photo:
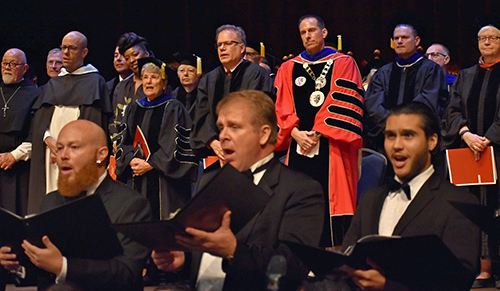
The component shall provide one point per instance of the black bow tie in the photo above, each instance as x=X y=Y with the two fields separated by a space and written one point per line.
x=396 y=186
x=249 y=174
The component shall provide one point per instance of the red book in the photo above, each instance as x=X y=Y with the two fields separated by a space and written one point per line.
x=141 y=148
x=464 y=170
x=210 y=160
x=112 y=167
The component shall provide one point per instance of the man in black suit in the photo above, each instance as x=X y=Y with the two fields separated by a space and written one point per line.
x=81 y=157
x=248 y=131
x=412 y=137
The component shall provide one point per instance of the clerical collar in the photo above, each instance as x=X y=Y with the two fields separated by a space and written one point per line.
x=318 y=56
x=80 y=71
x=418 y=181
x=409 y=61
x=23 y=82
x=234 y=68
x=91 y=190
x=153 y=103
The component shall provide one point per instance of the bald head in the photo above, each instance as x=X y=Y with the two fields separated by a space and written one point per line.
x=16 y=68
x=81 y=154
x=74 y=50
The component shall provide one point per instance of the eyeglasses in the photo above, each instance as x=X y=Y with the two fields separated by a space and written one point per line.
x=435 y=55
x=12 y=64
x=490 y=38
x=226 y=44
x=71 y=48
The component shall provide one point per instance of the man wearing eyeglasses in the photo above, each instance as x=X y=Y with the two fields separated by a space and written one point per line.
x=412 y=77
x=234 y=74
x=79 y=92
x=440 y=54
x=17 y=97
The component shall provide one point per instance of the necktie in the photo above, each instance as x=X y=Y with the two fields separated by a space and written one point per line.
x=396 y=186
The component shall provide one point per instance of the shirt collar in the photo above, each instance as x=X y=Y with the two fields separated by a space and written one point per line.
x=234 y=68
x=80 y=71
x=418 y=181
x=262 y=162
x=91 y=190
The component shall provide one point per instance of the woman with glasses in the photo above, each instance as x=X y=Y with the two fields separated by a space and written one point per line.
x=474 y=122
x=157 y=160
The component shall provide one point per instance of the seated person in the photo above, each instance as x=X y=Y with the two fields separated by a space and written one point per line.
x=248 y=131
x=412 y=136
x=81 y=157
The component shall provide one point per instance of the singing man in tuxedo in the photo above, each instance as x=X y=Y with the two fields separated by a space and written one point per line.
x=82 y=153
x=248 y=132
x=417 y=203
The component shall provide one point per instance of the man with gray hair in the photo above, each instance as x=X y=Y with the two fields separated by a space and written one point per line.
x=18 y=96
x=234 y=74
x=54 y=62
x=412 y=77
x=440 y=54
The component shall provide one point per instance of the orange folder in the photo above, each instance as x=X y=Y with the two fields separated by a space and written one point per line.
x=465 y=171
x=141 y=145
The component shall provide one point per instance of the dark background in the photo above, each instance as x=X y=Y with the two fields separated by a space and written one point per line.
x=38 y=26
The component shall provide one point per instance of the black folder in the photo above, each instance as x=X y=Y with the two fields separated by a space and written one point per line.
x=416 y=260
x=228 y=190
x=79 y=229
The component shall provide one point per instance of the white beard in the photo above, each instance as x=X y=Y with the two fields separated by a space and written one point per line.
x=8 y=79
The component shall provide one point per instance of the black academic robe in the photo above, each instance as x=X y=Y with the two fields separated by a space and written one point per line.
x=166 y=127
x=187 y=99
x=89 y=92
x=475 y=103
x=14 y=129
x=392 y=85
x=124 y=95
x=212 y=88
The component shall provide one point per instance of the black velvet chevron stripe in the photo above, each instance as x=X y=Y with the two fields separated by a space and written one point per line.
x=347 y=98
x=343 y=125
x=349 y=85
x=345 y=112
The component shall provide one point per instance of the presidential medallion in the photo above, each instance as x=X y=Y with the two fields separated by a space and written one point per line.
x=317 y=98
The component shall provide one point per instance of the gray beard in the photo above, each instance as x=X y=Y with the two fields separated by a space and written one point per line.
x=8 y=79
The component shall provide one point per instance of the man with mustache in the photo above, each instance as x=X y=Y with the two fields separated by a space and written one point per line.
x=412 y=77
x=82 y=154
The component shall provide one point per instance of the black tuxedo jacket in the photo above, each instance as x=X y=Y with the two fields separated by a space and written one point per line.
x=294 y=213
x=123 y=272
x=429 y=213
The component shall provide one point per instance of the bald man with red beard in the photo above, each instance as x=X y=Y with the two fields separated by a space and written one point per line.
x=82 y=159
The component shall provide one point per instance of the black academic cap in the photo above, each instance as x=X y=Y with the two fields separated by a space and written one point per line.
x=159 y=63
x=492 y=19
x=185 y=58
x=254 y=44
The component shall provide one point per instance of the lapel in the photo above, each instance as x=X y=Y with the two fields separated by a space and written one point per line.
x=377 y=204
x=271 y=177
x=423 y=197
x=267 y=183
x=104 y=189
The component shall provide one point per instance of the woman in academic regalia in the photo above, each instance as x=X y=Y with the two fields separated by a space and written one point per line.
x=165 y=176
x=474 y=123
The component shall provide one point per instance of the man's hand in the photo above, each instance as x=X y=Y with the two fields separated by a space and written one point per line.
x=366 y=279
x=51 y=143
x=7 y=160
x=220 y=243
x=8 y=259
x=168 y=261
x=140 y=166
x=217 y=148
x=50 y=259
x=307 y=140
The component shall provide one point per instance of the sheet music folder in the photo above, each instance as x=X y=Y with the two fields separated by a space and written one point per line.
x=79 y=229
x=410 y=259
x=464 y=170
x=228 y=190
